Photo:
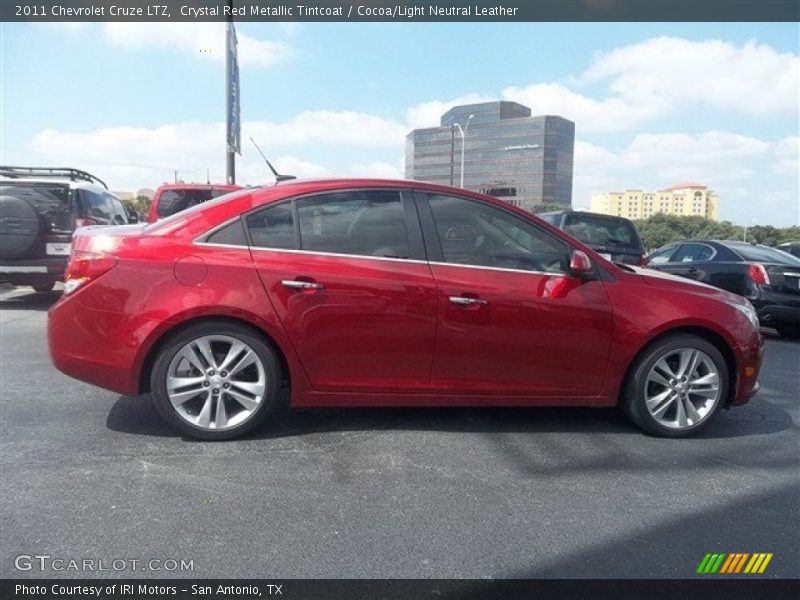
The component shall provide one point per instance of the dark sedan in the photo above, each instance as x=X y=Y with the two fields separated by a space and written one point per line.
x=769 y=278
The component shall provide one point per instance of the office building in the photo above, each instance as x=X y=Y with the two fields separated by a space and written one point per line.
x=685 y=199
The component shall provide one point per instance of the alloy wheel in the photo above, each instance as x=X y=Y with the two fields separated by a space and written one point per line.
x=216 y=382
x=682 y=388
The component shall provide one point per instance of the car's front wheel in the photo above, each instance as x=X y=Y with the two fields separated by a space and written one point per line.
x=215 y=380
x=676 y=386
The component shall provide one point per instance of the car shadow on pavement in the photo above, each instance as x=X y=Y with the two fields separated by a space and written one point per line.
x=139 y=416
x=674 y=547
x=27 y=299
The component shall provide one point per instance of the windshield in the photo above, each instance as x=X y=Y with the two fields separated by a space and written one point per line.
x=765 y=254
x=596 y=230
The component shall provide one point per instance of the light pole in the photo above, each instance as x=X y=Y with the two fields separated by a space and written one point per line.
x=463 y=133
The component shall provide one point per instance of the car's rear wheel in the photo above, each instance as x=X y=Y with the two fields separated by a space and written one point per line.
x=44 y=287
x=216 y=381
x=676 y=386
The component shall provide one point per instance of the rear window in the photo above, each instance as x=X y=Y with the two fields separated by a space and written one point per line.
x=595 y=230
x=172 y=201
x=765 y=254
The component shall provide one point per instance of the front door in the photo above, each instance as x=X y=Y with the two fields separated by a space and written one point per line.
x=512 y=321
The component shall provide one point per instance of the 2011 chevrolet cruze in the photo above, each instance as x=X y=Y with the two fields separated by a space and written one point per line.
x=378 y=293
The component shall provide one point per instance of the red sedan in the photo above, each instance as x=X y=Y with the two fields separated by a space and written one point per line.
x=389 y=293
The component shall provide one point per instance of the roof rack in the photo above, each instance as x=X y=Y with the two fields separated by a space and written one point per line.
x=68 y=172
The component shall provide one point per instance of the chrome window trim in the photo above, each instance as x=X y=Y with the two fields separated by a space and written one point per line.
x=389 y=258
x=504 y=269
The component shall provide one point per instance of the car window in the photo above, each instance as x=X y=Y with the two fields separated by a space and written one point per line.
x=273 y=227
x=173 y=201
x=476 y=233
x=598 y=230
x=661 y=256
x=693 y=253
x=552 y=219
x=230 y=235
x=120 y=214
x=764 y=254
x=365 y=223
x=97 y=207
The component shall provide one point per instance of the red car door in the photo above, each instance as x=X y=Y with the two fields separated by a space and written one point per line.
x=512 y=321
x=346 y=275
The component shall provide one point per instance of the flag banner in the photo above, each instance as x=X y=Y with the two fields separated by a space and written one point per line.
x=234 y=112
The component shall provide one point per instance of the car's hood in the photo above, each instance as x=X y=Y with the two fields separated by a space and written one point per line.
x=660 y=279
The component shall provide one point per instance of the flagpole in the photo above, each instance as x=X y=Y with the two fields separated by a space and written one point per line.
x=230 y=151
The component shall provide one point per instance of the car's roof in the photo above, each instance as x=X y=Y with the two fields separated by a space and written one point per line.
x=52 y=181
x=198 y=186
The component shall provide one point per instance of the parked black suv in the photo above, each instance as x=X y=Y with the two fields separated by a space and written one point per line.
x=40 y=208
x=769 y=278
x=615 y=238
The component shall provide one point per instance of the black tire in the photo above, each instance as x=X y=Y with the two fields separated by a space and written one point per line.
x=44 y=287
x=634 y=393
x=267 y=355
x=790 y=332
x=21 y=227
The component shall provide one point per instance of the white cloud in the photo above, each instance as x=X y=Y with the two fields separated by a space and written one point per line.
x=665 y=75
x=787 y=156
x=668 y=72
x=428 y=114
x=731 y=164
x=203 y=40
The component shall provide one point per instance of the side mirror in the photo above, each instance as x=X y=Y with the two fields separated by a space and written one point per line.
x=580 y=265
x=133 y=217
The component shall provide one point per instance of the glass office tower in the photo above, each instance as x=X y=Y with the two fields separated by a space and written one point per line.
x=509 y=154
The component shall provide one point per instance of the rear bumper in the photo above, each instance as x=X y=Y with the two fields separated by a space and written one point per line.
x=96 y=346
x=775 y=307
x=33 y=271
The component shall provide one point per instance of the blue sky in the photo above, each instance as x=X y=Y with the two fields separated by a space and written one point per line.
x=654 y=104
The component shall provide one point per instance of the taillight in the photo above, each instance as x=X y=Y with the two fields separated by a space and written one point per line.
x=84 y=222
x=85 y=267
x=758 y=273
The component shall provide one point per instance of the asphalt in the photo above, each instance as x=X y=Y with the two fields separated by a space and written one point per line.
x=406 y=493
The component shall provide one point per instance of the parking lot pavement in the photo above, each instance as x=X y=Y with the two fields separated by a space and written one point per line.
x=87 y=474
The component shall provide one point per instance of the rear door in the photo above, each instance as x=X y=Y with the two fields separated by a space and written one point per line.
x=347 y=276
x=511 y=320
x=693 y=261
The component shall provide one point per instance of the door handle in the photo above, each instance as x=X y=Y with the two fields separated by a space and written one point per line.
x=465 y=301
x=301 y=285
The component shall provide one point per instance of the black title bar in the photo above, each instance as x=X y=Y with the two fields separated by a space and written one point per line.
x=400 y=11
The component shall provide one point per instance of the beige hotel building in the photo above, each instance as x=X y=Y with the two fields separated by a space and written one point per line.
x=685 y=199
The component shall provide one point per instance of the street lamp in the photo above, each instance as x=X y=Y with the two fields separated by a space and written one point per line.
x=463 y=133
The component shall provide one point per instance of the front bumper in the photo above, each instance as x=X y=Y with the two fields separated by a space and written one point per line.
x=749 y=358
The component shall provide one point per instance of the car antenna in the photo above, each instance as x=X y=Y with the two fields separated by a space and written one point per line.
x=278 y=176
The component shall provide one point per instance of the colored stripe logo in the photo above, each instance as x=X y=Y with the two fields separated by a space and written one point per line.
x=732 y=563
